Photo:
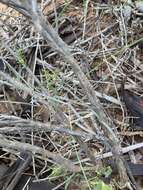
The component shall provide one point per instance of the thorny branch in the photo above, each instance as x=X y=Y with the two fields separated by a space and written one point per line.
x=24 y=125
x=44 y=154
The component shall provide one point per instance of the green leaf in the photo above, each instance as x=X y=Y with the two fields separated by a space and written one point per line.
x=56 y=171
x=100 y=185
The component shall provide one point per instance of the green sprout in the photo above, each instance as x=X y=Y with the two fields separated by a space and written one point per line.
x=56 y=172
x=51 y=79
x=21 y=57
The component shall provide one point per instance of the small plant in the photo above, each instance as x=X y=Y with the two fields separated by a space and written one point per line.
x=21 y=57
x=56 y=171
x=51 y=79
x=100 y=185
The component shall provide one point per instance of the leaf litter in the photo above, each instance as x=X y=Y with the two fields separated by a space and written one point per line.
x=108 y=52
